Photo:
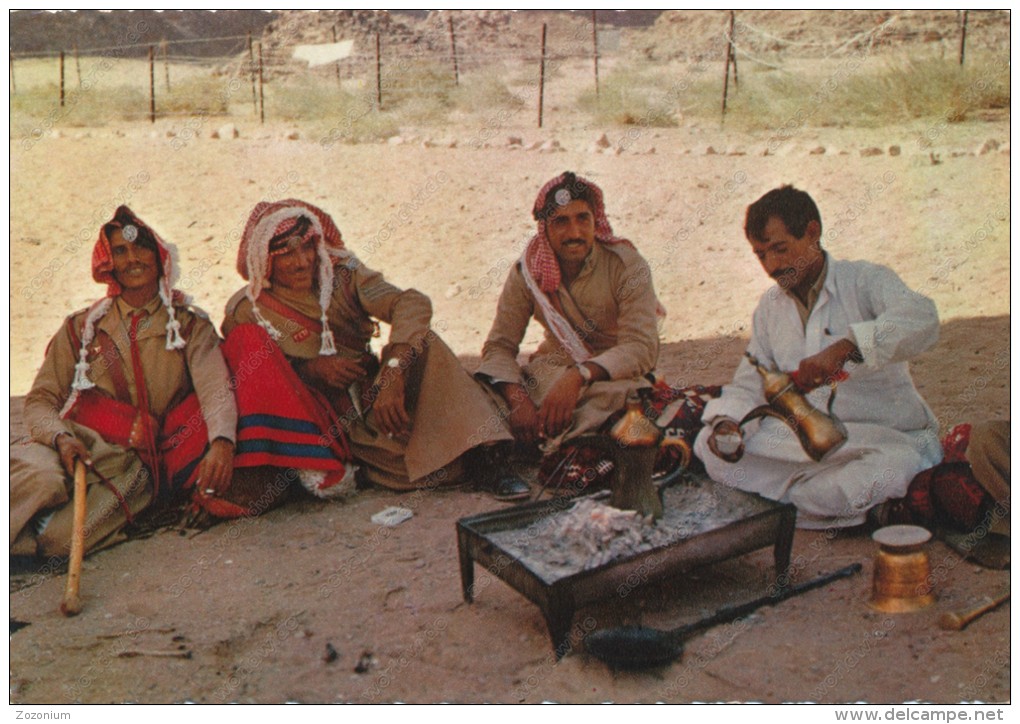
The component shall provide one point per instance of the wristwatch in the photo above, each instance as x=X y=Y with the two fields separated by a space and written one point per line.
x=393 y=363
x=585 y=373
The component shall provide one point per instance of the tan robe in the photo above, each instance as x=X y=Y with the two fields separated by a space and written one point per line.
x=38 y=480
x=988 y=454
x=450 y=413
x=612 y=305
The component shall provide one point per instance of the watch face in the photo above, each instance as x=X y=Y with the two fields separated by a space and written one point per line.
x=392 y=362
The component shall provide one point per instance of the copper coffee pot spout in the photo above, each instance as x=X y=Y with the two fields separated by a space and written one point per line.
x=819 y=433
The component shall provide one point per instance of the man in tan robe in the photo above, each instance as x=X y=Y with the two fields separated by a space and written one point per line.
x=88 y=403
x=593 y=294
x=411 y=420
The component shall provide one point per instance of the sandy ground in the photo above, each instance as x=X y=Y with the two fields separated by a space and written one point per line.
x=259 y=603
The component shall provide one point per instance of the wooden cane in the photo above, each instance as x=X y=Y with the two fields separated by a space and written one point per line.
x=71 y=605
x=952 y=621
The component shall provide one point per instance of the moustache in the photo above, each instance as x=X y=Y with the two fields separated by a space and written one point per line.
x=783 y=275
x=574 y=241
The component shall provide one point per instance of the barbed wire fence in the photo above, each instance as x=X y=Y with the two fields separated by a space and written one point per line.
x=383 y=73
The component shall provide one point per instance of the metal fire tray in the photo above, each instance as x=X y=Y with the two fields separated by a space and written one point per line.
x=706 y=521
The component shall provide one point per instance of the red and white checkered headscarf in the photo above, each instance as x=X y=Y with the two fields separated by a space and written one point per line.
x=255 y=263
x=102 y=272
x=542 y=262
x=541 y=268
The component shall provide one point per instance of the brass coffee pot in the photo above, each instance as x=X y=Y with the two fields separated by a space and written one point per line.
x=819 y=433
x=636 y=441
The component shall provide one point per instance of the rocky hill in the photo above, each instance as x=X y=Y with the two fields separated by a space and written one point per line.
x=657 y=35
x=692 y=34
x=42 y=31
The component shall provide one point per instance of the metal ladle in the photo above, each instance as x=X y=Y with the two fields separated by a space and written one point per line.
x=641 y=647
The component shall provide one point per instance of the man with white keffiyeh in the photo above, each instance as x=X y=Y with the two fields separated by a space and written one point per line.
x=412 y=419
x=593 y=294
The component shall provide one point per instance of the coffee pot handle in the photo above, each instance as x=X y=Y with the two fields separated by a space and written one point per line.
x=762 y=411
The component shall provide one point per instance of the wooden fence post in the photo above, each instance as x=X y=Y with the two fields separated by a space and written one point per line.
x=595 y=48
x=453 y=51
x=726 y=83
x=378 y=75
x=61 y=78
x=733 y=47
x=963 y=35
x=262 y=95
x=726 y=77
x=541 y=79
x=152 y=84
x=251 y=69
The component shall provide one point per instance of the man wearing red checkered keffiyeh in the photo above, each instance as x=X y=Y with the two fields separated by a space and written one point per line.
x=116 y=378
x=592 y=292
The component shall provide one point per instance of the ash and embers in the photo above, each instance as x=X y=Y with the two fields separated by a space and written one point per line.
x=591 y=534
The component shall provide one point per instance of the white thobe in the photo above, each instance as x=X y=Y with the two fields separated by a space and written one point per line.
x=893 y=434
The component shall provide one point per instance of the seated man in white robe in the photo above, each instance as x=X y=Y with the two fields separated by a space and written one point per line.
x=825 y=320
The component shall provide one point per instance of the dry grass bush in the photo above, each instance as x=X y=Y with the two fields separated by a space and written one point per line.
x=924 y=88
x=422 y=91
x=39 y=107
x=866 y=91
x=870 y=94
x=362 y=126
x=310 y=100
x=199 y=96
x=483 y=92
x=631 y=97
x=425 y=96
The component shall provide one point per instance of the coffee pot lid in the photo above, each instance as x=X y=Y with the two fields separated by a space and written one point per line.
x=901 y=536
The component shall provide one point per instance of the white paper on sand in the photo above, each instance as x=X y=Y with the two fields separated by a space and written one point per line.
x=392 y=516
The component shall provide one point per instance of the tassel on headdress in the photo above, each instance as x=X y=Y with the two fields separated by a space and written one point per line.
x=174 y=338
x=81 y=368
x=269 y=220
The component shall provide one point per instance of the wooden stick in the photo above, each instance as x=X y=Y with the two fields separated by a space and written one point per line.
x=71 y=605
x=131 y=653
x=952 y=621
x=77 y=64
x=136 y=632
x=595 y=48
x=61 y=78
